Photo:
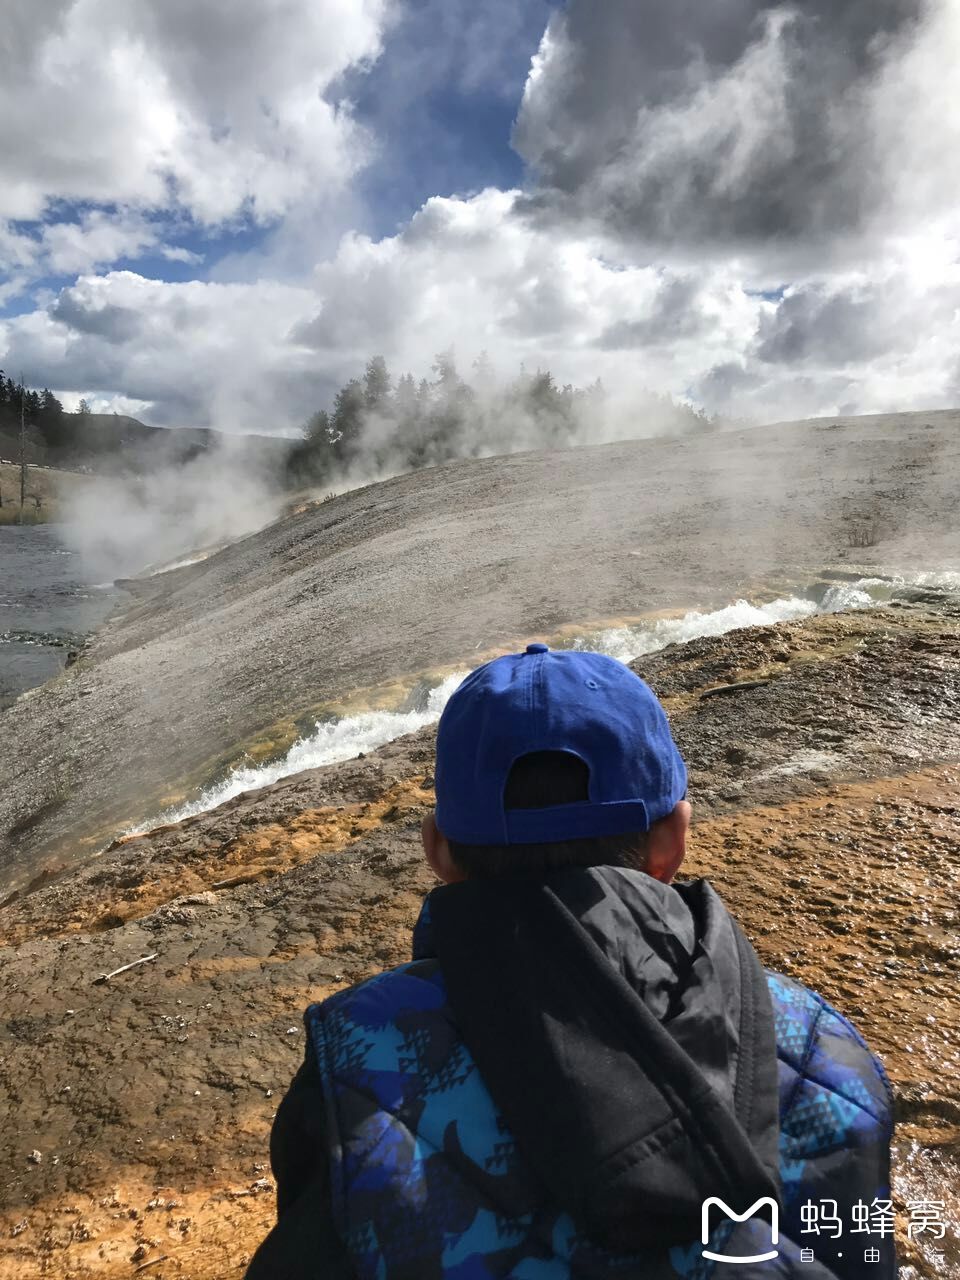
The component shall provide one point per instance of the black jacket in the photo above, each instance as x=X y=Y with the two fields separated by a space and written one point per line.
x=624 y=1032
x=590 y=944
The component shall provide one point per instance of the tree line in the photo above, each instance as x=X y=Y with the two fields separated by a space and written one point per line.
x=376 y=425
x=43 y=414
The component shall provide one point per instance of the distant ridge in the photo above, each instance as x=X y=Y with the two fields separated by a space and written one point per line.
x=110 y=443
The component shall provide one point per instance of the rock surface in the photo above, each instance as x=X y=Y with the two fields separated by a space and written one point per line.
x=827 y=797
x=239 y=652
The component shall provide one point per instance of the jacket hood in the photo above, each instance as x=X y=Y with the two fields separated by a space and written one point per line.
x=624 y=1030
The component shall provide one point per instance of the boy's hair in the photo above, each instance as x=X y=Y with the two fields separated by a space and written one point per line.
x=540 y=781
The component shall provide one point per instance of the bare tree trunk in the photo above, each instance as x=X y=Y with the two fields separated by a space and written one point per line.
x=23 y=454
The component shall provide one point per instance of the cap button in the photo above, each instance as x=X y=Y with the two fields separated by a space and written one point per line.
x=538 y=648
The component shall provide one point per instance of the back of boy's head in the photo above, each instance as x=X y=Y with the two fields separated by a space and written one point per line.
x=549 y=760
x=541 y=780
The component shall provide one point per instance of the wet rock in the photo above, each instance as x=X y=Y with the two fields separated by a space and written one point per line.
x=848 y=884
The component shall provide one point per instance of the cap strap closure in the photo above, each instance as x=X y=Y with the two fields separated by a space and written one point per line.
x=575 y=821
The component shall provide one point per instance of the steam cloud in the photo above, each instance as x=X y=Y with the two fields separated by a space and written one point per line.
x=123 y=524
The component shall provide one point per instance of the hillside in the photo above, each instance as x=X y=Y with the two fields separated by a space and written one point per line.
x=112 y=444
x=47 y=491
x=239 y=655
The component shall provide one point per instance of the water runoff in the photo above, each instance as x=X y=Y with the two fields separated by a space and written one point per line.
x=346 y=737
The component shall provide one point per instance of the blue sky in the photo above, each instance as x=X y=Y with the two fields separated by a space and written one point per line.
x=444 y=123
x=206 y=246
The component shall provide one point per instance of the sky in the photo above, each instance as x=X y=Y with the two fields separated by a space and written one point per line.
x=213 y=212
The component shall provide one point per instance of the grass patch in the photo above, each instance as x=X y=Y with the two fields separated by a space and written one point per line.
x=11 y=514
x=46 y=492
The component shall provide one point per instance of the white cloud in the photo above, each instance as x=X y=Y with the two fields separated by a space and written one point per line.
x=216 y=109
x=198 y=354
x=262 y=355
x=98 y=239
x=675 y=187
x=187 y=256
x=787 y=136
x=914 y=111
x=122 y=405
x=471 y=272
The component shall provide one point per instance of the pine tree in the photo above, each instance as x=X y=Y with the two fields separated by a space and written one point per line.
x=376 y=383
x=52 y=424
x=445 y=367
x=319 y=429
x=347 y=420
x=405 y=396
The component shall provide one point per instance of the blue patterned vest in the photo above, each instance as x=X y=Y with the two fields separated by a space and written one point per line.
x=425 y=1178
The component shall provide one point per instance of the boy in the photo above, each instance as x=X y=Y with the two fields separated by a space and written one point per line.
x=585 y=1071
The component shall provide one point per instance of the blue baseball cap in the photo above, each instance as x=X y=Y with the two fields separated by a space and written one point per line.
x=542 y=700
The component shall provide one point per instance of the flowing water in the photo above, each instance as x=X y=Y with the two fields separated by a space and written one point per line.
x=347 y=736
x=48 y=605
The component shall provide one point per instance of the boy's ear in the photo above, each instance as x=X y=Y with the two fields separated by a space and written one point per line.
x=437 y=850
x=667 y=844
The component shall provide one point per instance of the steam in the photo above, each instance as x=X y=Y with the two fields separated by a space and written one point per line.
x=167 y=509
x=377 y=429
x=169 y=503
